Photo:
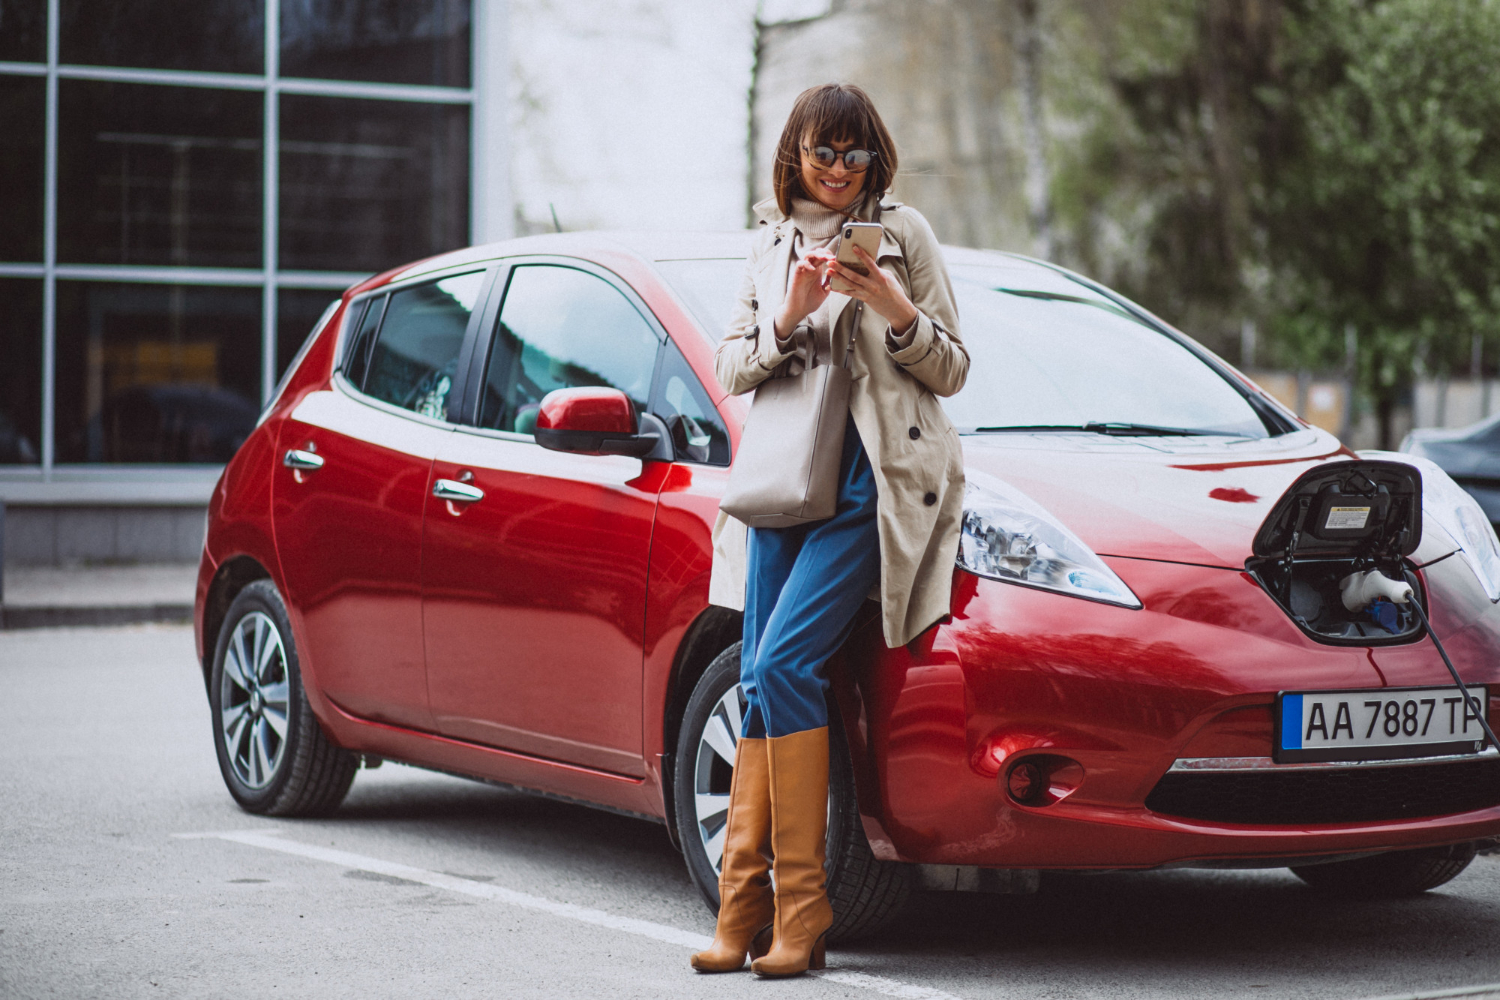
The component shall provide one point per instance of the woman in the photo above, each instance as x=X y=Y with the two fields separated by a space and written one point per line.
x=895 y=530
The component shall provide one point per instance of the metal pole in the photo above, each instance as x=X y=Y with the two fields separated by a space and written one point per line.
x=271 y=197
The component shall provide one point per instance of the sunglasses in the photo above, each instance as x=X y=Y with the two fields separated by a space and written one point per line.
x=825 y=157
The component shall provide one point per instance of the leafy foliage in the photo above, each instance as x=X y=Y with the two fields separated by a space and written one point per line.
x=1318 y=166
x=1384 y=217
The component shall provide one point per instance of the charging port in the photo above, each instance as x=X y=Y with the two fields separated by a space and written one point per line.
x=1338 y=519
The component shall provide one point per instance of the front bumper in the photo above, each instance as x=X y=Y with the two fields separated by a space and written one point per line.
x=1019 y=673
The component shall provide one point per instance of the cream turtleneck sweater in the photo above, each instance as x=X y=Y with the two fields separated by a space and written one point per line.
x=815 y=227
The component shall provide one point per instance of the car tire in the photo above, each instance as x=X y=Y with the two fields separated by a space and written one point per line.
x=865 y=892
x=1400 y=873
x=272 y=752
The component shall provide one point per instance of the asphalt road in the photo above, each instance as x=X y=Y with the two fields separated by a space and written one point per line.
x=428 y=886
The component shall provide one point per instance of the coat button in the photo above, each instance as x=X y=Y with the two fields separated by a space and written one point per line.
x=914 y=433
x=754 y=304
x=930 y=498
x=776 y=241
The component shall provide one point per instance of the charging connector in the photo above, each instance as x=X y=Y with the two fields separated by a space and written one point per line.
x=1359 y=589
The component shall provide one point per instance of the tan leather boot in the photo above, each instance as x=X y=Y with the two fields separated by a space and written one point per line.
x=745 y=903
x=799 y=830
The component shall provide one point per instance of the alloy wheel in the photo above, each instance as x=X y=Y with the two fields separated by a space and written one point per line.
x=713 y=770
x=253 y=698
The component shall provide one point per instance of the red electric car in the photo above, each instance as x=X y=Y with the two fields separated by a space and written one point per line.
x=471 y=532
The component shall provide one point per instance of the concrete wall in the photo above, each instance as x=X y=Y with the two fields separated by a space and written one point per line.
x=940 y=73
x=630 y=113
x=69 y=535
x=1454 y=402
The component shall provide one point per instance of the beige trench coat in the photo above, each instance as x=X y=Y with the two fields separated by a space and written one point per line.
x=913 y=448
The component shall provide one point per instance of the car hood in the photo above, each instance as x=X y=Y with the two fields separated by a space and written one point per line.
x=1187 y=500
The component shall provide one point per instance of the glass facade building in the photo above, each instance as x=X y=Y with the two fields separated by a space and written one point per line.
x=187 y=185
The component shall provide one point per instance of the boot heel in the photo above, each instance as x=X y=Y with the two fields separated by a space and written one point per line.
x=760 y=945
x=817 y=960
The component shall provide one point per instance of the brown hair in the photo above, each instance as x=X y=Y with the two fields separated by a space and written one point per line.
x=833 y=112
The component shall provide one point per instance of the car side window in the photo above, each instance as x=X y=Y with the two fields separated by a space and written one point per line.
x=561 y=327
x=416 y=351
x=698 y=432
x=364 y=322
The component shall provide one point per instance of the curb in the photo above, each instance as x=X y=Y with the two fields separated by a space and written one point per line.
x=12 y=618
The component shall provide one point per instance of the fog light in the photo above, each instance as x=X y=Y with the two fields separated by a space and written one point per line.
x=1026 y=783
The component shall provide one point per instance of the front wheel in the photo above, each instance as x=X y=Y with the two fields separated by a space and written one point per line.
x=1400 y=873
x=866 y=893
x=272 y=753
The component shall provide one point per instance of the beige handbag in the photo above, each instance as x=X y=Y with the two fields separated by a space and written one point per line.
x=787 y=468
x=786 y=471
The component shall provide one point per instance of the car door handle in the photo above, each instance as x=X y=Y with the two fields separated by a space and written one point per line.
x=452 y=489
x=296 y=458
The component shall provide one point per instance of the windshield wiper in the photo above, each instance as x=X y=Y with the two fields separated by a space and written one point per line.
x=1107 y=427
x=1154 y=430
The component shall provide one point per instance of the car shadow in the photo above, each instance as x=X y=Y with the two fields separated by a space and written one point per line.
x=1191 y=920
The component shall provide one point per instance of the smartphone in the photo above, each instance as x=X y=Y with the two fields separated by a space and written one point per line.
x=866 y=236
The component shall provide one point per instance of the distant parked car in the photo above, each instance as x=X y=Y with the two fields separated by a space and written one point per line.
x=171 y=423
x=1470 y=455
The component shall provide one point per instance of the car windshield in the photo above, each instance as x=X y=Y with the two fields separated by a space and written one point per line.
x=1047 y=352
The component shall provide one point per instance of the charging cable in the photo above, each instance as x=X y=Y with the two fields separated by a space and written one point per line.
x=1359 y=589
x=1471 y=702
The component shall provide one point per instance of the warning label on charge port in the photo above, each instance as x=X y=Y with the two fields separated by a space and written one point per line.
x=1347 y=517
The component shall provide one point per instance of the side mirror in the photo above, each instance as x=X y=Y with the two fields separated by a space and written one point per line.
x=592 y=420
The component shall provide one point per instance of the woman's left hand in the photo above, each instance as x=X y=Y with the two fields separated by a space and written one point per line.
x=879 y=290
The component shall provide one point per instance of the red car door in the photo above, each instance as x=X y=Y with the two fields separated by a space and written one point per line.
x=351 y=493
x=534 y=566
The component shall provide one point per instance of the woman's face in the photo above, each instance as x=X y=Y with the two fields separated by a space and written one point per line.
x=836 y=186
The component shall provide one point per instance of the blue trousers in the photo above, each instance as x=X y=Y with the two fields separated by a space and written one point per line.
x=803 y=586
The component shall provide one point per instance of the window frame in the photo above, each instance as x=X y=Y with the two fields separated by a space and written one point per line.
x=123 y=483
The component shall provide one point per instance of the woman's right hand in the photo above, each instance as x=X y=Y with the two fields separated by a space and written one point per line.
x=805 y=292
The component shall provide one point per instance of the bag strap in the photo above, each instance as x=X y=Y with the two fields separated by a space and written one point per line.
x=859 y=307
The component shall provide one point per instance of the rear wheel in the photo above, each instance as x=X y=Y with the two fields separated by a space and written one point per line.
x=272 y=752
x=866 y=893
x=1400 y=873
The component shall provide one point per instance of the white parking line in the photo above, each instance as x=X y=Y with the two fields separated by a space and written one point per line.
x=1490 y=992
x=268 y=840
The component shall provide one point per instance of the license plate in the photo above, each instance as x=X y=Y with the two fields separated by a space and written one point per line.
x=1377 y=724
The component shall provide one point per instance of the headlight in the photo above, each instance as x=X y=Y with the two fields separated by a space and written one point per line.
x=1008 y=536
x=1446 y=504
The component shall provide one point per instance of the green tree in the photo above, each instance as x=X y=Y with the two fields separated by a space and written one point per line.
x=1155 y=194
x=1382 y=215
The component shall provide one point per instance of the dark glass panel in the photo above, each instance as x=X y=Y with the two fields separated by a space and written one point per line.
x=158 y=175
x=367 y=185
x=155 y=373
x=23 y=30
x=385 y=41
x=561 y=327
x=416 y=351
x=221 y=36
x=20 y=371
x=23 y=117
x=297 y=312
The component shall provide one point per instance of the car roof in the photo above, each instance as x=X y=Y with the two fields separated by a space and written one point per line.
x=660 y=245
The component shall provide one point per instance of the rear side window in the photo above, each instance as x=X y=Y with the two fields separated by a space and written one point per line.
x=364 y=323
x=559 y=328
x=416 y=351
